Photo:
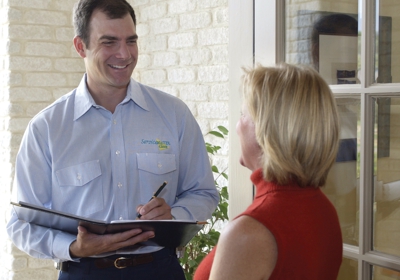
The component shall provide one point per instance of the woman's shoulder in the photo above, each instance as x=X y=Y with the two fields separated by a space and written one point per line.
x=246 y=247
x=248 y=233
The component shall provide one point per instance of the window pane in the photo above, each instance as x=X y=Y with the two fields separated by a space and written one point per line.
x=348 y=270
x=387 y=175
x=343 y=180
x=324 y=34
x=387 y=50
x=381 y=273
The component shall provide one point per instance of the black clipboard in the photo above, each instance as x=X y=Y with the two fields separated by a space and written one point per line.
x=168 y=233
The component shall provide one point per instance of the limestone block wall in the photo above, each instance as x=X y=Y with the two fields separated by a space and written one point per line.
x=183 y=49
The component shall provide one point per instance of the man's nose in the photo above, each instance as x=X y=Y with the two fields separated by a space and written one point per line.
x=123 y=51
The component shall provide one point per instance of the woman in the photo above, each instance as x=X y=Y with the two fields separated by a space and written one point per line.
x=289 y=136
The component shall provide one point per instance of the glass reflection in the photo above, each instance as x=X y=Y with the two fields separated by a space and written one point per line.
x=382 y=273
x=387 y=175
x=387 y=43
x=326 y=38
x=348 y=270
x=343 y=180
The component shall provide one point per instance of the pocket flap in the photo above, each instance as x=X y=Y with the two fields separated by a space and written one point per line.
x=156 y=163
x=80 y=174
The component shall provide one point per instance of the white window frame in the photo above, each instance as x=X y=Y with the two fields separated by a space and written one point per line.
x=266 y=45
x=240 y=54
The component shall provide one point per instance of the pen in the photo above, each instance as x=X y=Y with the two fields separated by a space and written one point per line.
x=154 y=195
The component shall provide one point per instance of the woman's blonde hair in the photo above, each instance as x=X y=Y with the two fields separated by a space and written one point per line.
x=296 y=123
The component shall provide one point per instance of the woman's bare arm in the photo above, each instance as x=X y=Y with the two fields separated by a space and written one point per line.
x=246 y=250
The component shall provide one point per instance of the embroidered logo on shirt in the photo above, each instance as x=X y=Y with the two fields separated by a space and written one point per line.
x=162 y=145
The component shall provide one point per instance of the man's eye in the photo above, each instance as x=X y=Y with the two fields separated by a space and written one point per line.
x=108 y=42
x=132 y=41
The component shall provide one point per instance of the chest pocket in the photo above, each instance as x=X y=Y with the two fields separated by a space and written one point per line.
x=153 y=170
x=80 y=174
x=156 y=163
x=80 y=183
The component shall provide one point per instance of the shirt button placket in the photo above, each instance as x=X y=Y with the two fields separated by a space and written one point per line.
x=119 y=164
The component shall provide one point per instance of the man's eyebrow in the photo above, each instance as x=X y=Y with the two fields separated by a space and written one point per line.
x=133 y=37
x=108 y=37
x=113 y=38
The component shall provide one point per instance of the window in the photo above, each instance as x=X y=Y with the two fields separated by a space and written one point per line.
x=354 y=46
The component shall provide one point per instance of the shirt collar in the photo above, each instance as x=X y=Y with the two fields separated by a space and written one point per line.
x=84 y=100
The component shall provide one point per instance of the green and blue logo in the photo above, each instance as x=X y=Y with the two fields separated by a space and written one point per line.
x=162 y=145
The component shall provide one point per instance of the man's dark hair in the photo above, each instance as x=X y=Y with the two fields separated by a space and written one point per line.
x=84 y=9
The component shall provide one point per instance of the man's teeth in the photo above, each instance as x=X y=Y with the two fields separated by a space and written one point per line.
x=118 y=67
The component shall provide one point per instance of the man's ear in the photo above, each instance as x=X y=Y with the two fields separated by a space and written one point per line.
x=80 y=46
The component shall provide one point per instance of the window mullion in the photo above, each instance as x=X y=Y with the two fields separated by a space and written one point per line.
x=367 y=132
x=368 y=35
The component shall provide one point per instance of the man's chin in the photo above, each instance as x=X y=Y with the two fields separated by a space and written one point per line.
x=121 y=83
x=121 y=78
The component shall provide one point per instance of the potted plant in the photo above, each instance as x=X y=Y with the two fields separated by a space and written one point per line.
x=207 y=238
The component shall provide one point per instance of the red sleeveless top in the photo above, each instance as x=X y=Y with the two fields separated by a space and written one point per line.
x=305 y=226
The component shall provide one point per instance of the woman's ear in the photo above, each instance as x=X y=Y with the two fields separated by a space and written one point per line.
x=80 y=46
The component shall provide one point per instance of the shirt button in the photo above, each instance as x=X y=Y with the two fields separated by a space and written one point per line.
x=115 y=122
x=78 y=176
x=159 y=165
x=117 y=153
x=119 y=185
x=121 y=218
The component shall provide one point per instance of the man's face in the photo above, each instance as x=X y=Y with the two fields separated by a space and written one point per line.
x=113 y=52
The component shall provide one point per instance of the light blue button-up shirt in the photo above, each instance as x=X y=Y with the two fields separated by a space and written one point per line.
x=80 y=158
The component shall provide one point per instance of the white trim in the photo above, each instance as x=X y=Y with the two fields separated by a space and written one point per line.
x=269 y=32
x=366 y=184
x=379 y=89
x=264 y=32
x=240 y=55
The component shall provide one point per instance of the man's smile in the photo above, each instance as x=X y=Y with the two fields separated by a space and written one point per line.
x=118 y=66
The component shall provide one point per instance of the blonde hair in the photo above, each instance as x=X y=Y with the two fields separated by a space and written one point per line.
x=296 y=123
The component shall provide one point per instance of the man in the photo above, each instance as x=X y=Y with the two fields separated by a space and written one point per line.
x=102 y=150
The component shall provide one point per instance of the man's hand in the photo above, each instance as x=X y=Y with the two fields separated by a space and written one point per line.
x=155 y=209
x=89 y=244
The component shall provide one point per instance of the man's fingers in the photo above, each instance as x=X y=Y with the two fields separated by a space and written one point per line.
x=156 y=209
x=142 y=237
x=89 y=244
x=126 y=235
x=154 y=203
x=82 y=230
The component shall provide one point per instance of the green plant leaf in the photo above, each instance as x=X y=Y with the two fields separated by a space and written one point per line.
x=214 y=169
x=216 y=133
x=210 y=149
x=223 y=129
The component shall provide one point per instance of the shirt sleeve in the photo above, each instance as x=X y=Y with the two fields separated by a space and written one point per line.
x=197 y=196
x=33 y=160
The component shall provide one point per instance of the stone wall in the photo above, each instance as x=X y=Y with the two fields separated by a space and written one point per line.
x=183 y=47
